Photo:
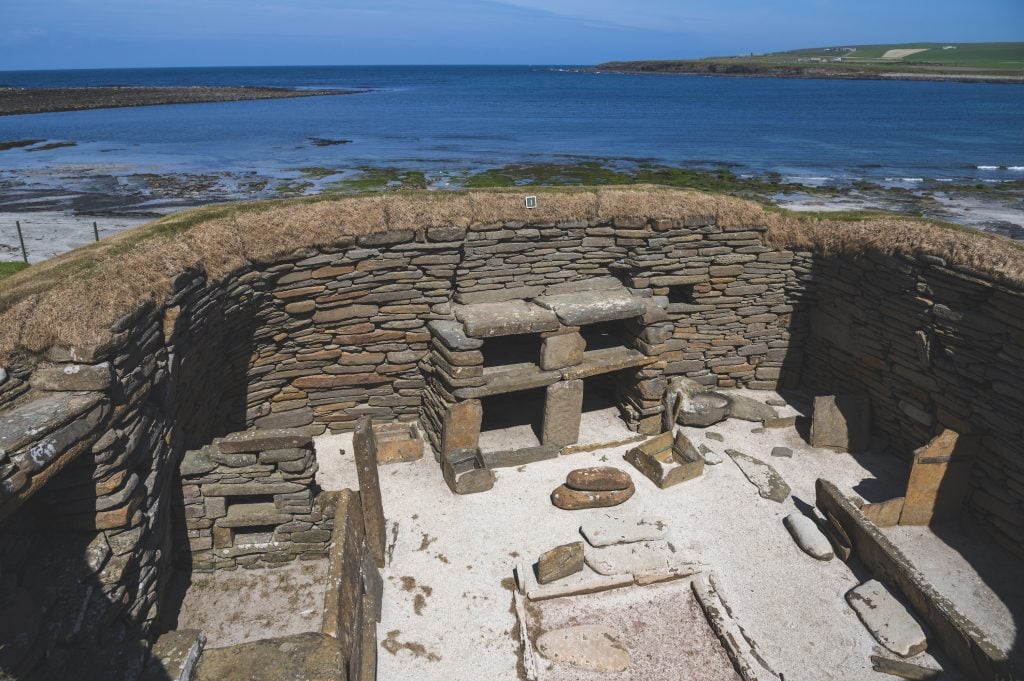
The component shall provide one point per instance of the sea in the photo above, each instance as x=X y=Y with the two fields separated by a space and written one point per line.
x=455 y=118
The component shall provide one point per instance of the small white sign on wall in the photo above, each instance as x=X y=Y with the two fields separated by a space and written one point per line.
x=531 y=201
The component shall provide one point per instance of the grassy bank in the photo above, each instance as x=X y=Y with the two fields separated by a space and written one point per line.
x=10 y=268
x=999 y=62
x=45 y=305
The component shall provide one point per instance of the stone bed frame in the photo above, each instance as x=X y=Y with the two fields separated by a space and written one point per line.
x=382 y=325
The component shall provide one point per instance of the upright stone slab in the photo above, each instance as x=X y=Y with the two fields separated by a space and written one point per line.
x=841 y=422
x=461 y=426
x=364 y=445
x=939 y=480
x=562 y=412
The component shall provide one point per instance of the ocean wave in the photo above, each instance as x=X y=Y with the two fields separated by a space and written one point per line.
x=987 y=167
x=904 y=179
x=1016 y=169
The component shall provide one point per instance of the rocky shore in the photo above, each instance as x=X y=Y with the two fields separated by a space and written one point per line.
x=17 y=101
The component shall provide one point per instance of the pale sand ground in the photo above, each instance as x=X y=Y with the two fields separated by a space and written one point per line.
x=50 y=233
x=447 y=605
x=241 y=605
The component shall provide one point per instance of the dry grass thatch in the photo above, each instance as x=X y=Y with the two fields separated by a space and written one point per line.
x=73 y=299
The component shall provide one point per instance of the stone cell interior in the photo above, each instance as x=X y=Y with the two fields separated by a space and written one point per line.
x=126 y=462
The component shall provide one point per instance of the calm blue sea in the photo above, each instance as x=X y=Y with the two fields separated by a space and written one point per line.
x=459 y=117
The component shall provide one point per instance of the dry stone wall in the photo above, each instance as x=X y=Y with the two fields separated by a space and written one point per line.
x=933 y=347
x=92 y=439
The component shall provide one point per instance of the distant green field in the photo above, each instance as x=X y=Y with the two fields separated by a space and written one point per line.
x=972 y=55
x=998 y=61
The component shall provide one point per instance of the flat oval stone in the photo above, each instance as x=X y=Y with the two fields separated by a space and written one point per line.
x=808 y=537
x=560 y=562
x=588 y=646
x=570 y=499
x=598 y=479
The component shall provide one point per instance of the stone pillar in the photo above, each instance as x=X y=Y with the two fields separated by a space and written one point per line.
x=562 y=410
x=562 y=350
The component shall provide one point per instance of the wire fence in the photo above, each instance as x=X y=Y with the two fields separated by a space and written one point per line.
x=21 y=238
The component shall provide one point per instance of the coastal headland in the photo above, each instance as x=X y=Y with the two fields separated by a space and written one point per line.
x=963 y=62
x=17 y=101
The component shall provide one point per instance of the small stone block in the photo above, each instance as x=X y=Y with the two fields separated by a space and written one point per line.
x=559 y=562
x=888 y=620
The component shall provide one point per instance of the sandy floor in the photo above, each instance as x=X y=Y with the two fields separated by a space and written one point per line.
x=246 y=605
x=448 y=606
x=662 y=625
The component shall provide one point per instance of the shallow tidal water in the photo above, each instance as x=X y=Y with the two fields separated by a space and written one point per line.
x=461 y=117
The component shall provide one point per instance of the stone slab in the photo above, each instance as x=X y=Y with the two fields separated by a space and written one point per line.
x=841 y=422
x=590 y=647
x=808 y=537
x=606 y=360
x=32 y=421
x=888 y=620
x=884 y=513
x=260 y=440
x=563 y=405
x=939 y=480
x=563 y=350
x=765 y=478
x=592 y=307
x=607 y=529
x=461 y=426
x=453 y=336
x=512 y=378
x=72 y=377
x=569 y=499
x=364 y=446
x=750 y=409
x=511 y=458
x=513 y=317
x=560 y=562
x=639 y=559
x=598 y=479
x=174 y=656
x=309 y=656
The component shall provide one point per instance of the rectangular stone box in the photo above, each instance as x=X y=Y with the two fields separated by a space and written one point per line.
x=398 y=442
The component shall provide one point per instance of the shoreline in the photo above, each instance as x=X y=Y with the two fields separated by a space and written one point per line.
x=25 y=101
x=59 y=217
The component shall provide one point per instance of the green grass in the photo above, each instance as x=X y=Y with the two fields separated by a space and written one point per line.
x=965 y=60
x=553 y=174
x=593 y=173
x=378 y=179
x=9 y=268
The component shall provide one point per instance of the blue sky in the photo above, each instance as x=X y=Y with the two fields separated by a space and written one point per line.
x=36 y=34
